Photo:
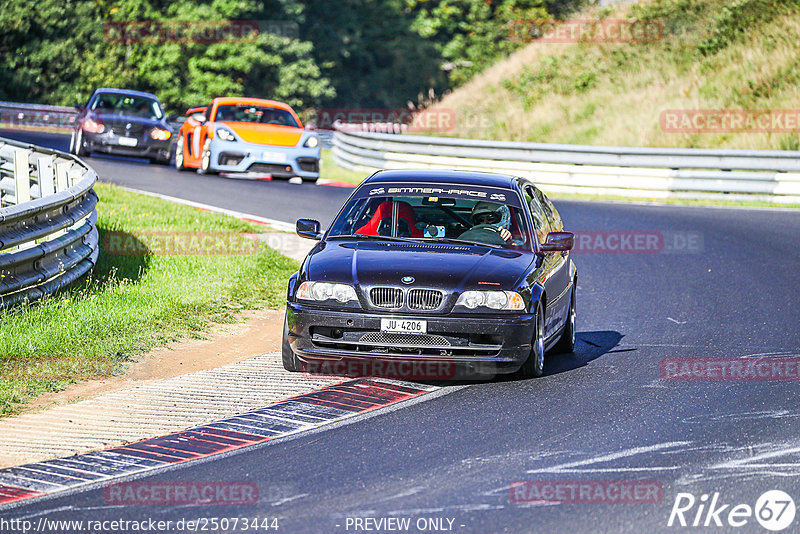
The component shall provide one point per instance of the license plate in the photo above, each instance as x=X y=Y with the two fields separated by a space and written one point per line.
x=273 y=157
x=404 y=326
x=127 y=141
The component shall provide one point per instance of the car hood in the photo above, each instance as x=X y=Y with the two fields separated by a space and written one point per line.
x=443 y=266
x=266 y=134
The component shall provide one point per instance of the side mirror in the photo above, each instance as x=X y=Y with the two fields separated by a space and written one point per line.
x=79 y=107
x=308 y=228
x=558 y=242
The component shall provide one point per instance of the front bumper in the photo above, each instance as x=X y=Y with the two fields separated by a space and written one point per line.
x=279 y=161
x=481 y=346
x=146 y=146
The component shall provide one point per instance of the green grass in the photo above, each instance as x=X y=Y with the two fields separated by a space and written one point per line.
x=714 y=54
x=332 y=171
x=132 y=303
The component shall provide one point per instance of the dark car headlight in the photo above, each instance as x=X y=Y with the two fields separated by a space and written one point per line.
x=93 y=126
x=494 y=300
x=326 y=291
x=160 y=134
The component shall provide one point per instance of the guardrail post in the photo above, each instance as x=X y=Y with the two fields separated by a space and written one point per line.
x=61 y=176
x=47 y=184
x=22 y=177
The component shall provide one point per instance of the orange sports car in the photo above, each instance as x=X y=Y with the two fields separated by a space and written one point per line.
x=235 y=134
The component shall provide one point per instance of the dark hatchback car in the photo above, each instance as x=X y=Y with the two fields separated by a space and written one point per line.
x=434 y=270
x=125 y=123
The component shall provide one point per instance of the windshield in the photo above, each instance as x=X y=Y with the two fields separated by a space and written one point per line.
x=426 y=217
x=257 y=114
x=127 y=105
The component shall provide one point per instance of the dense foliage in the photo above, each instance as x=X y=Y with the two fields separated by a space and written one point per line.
x=367 y=53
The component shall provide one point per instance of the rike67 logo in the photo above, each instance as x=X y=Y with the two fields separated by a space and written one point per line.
x=774 y=510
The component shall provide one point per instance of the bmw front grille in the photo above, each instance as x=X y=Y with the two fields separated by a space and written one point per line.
x=414 y=299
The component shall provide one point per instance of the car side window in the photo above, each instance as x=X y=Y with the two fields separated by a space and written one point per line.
x=541 y=227
x=552 y=214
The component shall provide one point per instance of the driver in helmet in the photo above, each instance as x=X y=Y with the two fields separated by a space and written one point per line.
x=492 y=222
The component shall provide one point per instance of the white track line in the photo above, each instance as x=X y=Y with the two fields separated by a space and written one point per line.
x=274 y=223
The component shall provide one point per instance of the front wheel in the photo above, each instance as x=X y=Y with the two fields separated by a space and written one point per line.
x=205 y=162
x=534 y=365
x=179 y=145
x=567 y=341
x=290 y=361
x=76 y=144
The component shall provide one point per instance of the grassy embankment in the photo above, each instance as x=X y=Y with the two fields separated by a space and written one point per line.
x=714 y=54
x=134 y=302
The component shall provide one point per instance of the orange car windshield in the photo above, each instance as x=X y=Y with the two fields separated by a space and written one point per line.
x=255 y=114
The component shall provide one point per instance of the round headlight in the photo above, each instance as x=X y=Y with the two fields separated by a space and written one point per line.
x=225 y=135
x=159 y=134
x=322 y=291
x=342 y=293
x=472 y=299
x=496 y=299
x=312 y=142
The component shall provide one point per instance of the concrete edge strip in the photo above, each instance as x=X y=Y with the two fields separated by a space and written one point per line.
x=290 y=416
x=335 y=183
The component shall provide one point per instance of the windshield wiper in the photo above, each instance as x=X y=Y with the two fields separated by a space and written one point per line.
x=459 y=241
x=378 y=237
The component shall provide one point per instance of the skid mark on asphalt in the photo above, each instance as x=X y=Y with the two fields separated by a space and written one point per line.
x=584 y=465
x=721 y=461
x=297 y=414
x=742 y=416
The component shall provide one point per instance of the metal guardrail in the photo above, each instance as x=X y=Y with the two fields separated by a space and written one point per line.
x=37 y=117
x=625 y=171
x=48 y=237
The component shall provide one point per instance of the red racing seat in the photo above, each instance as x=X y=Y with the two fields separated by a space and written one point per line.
x=380 y=223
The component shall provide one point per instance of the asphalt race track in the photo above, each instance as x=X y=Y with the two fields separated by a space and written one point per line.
x=277 y=199
x=727 y=288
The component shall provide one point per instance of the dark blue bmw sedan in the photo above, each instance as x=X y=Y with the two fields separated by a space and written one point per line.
x=422 y=272
x=123 y=122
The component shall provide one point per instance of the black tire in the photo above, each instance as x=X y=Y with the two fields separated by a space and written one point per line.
x=76 y=144
x=179 y=149
x=290 y=361
x=205 y=160
x=534 y=365
x=567 y=341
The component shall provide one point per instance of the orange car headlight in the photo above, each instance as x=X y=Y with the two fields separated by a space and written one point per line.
x=160 y=134
x=92 y=126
